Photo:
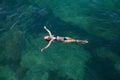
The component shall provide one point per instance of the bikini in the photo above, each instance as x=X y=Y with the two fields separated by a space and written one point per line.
x=65 y=38
x=55 y=37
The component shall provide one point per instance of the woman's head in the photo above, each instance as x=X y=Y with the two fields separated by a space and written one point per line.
x=47 y=38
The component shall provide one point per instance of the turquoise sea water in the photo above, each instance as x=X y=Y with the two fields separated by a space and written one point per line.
x=22 y=32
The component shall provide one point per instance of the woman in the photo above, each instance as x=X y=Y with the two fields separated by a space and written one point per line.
x=52 y=38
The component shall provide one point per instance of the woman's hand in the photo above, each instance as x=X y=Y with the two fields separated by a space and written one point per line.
x=45 y=27
x=42 y=50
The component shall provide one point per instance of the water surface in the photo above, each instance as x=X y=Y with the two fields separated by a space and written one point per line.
x=22 y=32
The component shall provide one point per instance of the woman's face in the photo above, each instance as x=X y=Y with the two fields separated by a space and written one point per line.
x=47 y=38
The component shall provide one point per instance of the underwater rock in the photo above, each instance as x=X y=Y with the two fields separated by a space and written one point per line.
x=108 y=54
x=63 y=59
x=7 y=74
x=117 y=66
x=100 y=18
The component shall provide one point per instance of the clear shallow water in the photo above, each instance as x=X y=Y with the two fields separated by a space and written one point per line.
x=21 y=38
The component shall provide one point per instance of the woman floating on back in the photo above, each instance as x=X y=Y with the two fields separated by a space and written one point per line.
x=52 y=38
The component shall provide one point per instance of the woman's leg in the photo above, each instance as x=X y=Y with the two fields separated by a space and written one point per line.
x=77 y=41
x=81 y=41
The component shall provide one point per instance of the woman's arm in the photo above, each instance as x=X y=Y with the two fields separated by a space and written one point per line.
x=47 y=46
x=50 y=34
